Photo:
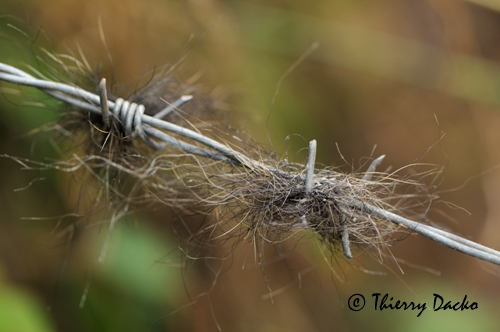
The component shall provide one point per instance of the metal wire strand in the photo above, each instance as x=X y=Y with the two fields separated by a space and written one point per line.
x=136 y=122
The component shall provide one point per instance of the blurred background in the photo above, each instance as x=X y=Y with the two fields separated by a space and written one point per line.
x=389 y=74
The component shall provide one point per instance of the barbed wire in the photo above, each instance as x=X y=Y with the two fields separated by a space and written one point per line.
x=154 y=131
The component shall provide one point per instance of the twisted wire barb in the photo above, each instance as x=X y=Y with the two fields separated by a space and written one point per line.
x=145 y=126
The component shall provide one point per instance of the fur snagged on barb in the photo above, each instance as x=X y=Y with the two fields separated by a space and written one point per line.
x=195 y=163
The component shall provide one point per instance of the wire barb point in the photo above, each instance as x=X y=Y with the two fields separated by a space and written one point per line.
x=373 y=167
x=176 y=104
x=103 y=96
x=311 y=161
x=345 y=243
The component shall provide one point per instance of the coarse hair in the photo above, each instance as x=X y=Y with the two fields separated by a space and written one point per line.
x=256 y=195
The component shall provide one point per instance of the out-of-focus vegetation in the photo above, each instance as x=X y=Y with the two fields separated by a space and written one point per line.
x=394 y=74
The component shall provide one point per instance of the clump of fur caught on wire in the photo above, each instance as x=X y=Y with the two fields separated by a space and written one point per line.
x=258 y=198
x=120 y=163
x=274 y=207
x=160 y=91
